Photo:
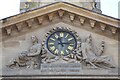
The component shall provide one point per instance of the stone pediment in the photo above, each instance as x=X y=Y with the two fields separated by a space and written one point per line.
x=96 y=36
x=19 y=59
x=61 y=10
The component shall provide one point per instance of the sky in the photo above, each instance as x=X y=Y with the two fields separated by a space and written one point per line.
x=11 y=7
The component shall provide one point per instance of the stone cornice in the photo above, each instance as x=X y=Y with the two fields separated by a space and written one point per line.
x=61 y=7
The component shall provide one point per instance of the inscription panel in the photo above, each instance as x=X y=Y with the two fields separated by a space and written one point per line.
x=62 y=68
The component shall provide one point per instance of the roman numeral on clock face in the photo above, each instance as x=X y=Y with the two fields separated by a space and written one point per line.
x=70 y=39
x=51 y=43
x=62 y=52
x=66 y=35
x=52 y=48
x=52 y=39
x=61 y=34
x=56 y=51
x=70 y=47
x=71 y=44
x=56 y=36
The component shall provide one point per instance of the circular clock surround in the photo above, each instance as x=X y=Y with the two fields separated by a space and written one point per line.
x=61 y=42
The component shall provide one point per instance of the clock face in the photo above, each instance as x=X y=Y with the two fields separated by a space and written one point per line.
x=61 y=43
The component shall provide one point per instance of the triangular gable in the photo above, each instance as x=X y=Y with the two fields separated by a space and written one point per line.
x=61 y=8
x=64 y=6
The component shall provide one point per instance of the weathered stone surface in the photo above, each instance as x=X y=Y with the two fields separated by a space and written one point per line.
x=1 y=57
x=61 y=72
x=59 y=68
x=11 y=44
x=104 y=43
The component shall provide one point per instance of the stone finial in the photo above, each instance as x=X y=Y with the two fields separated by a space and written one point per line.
x=72 y=16
x=30 y=22
x=61 y=13
x=94 y=7
x=50 y=16
x=82 y=19
x=114 y=30
x=8 y=30
x=40 y=19
x=92 y=23
x=19 y=26
x=103 y=26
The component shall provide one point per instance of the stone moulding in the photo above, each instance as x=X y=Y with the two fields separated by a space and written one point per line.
x=92 y=23
x=60 y=9
x=103 y=26
x=9 y=30
x=30 y=22
x=72 y=16
x=51 y=17
x=82 y=19
x=61 y=6
x=19 y=26
x=40 y=19
x=61 y=13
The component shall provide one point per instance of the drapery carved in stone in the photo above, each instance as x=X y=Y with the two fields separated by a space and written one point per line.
x=84 y=53
x=30 y=58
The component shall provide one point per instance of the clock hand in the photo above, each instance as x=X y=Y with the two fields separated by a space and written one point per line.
x=67 y=43
x=64 y=43
x=60 y=42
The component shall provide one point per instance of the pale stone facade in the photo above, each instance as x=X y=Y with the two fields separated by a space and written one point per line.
x=17 y=32
x=15 y=45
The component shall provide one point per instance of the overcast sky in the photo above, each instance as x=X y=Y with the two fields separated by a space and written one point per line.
x=11 y=7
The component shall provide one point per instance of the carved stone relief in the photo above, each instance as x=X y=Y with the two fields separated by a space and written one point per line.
x=84 y=53
x=29 y=58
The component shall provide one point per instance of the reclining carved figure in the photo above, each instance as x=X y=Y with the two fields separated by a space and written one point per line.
x=87 y=55
x=95 y=59
x=30 y=58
